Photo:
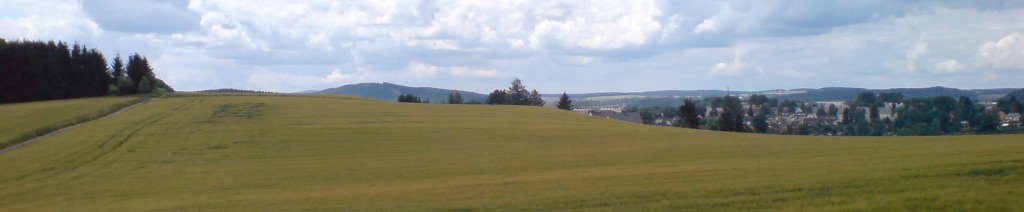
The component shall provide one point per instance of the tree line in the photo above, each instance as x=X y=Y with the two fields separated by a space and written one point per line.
x=37 y=70
x=516 y=94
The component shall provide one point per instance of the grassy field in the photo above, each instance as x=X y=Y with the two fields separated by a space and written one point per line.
x=19 y=122
x=324 y=152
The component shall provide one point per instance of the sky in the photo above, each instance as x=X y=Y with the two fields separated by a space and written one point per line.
x=553 y=46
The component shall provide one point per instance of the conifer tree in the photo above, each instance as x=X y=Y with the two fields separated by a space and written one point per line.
x=688 y=115
x=564 y=102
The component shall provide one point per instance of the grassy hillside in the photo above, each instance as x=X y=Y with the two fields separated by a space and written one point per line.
x=19 y=122
x=333 y=152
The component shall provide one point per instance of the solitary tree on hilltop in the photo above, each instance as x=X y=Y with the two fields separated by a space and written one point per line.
x=564 y=102
x=517 y=93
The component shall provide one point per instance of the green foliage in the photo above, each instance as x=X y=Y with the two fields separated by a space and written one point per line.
x=36 y=70
x=760 y=123
x=145 y=85
x=688 y=115
x=564 y=102
x=757 y=99
x=1010 y=104
x=535 y=98
x=516 y=94
x=646 y=117
x=124 y=86
x=988 y=123
x=455 y=98
x=866 y=99
x=498 y=97
x=409 y=98
x=890 y=97
x=731 y=117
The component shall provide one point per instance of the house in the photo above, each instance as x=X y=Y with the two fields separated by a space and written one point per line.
x=1012 y=118
x=886 y=112
x=622 y=116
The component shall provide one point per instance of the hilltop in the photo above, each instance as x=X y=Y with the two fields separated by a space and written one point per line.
x=389 y=92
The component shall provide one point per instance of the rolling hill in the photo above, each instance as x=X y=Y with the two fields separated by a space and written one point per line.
x=389 y=92
x=331 y=152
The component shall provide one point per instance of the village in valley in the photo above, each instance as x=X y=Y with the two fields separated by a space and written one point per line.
x=826 y=118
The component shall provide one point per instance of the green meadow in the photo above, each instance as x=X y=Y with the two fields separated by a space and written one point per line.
x=245 y=152
x=22 y=121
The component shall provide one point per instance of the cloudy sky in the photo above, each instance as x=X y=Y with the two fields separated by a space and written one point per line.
x=554 y=46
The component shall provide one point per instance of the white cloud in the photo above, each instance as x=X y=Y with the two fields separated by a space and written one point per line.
x=793 y=73
x=145 y=16
x=737 y=67
x=644 y=44
x=263 y=79
x=319 y=41
x=948 y=66
x=337 y=76
x=1006 y=53
x=707 y=26
x=55 y=19
x=420 y=69
x=423 y=69
x=919 y=50
x=466 y=71
x=599 y=26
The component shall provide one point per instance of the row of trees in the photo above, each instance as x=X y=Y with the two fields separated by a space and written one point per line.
x=409 y=98
x=564 y=102
x=516 y=94
x=35 y=70
x=730 y=118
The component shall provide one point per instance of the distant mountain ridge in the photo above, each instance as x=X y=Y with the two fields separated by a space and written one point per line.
x=844 y=93
x=389 y=92
x=661 y=93
x=816 y=94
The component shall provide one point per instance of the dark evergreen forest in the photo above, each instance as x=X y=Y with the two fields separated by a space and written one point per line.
x=37 y=70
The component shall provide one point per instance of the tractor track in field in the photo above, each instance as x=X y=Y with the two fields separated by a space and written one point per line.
x=30 y=141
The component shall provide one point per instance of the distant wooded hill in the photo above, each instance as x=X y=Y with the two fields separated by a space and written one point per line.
x=839 y=93
x=819 y=94
x=390 y=92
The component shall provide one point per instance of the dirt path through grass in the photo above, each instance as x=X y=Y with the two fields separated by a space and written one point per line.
x=29 y=141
